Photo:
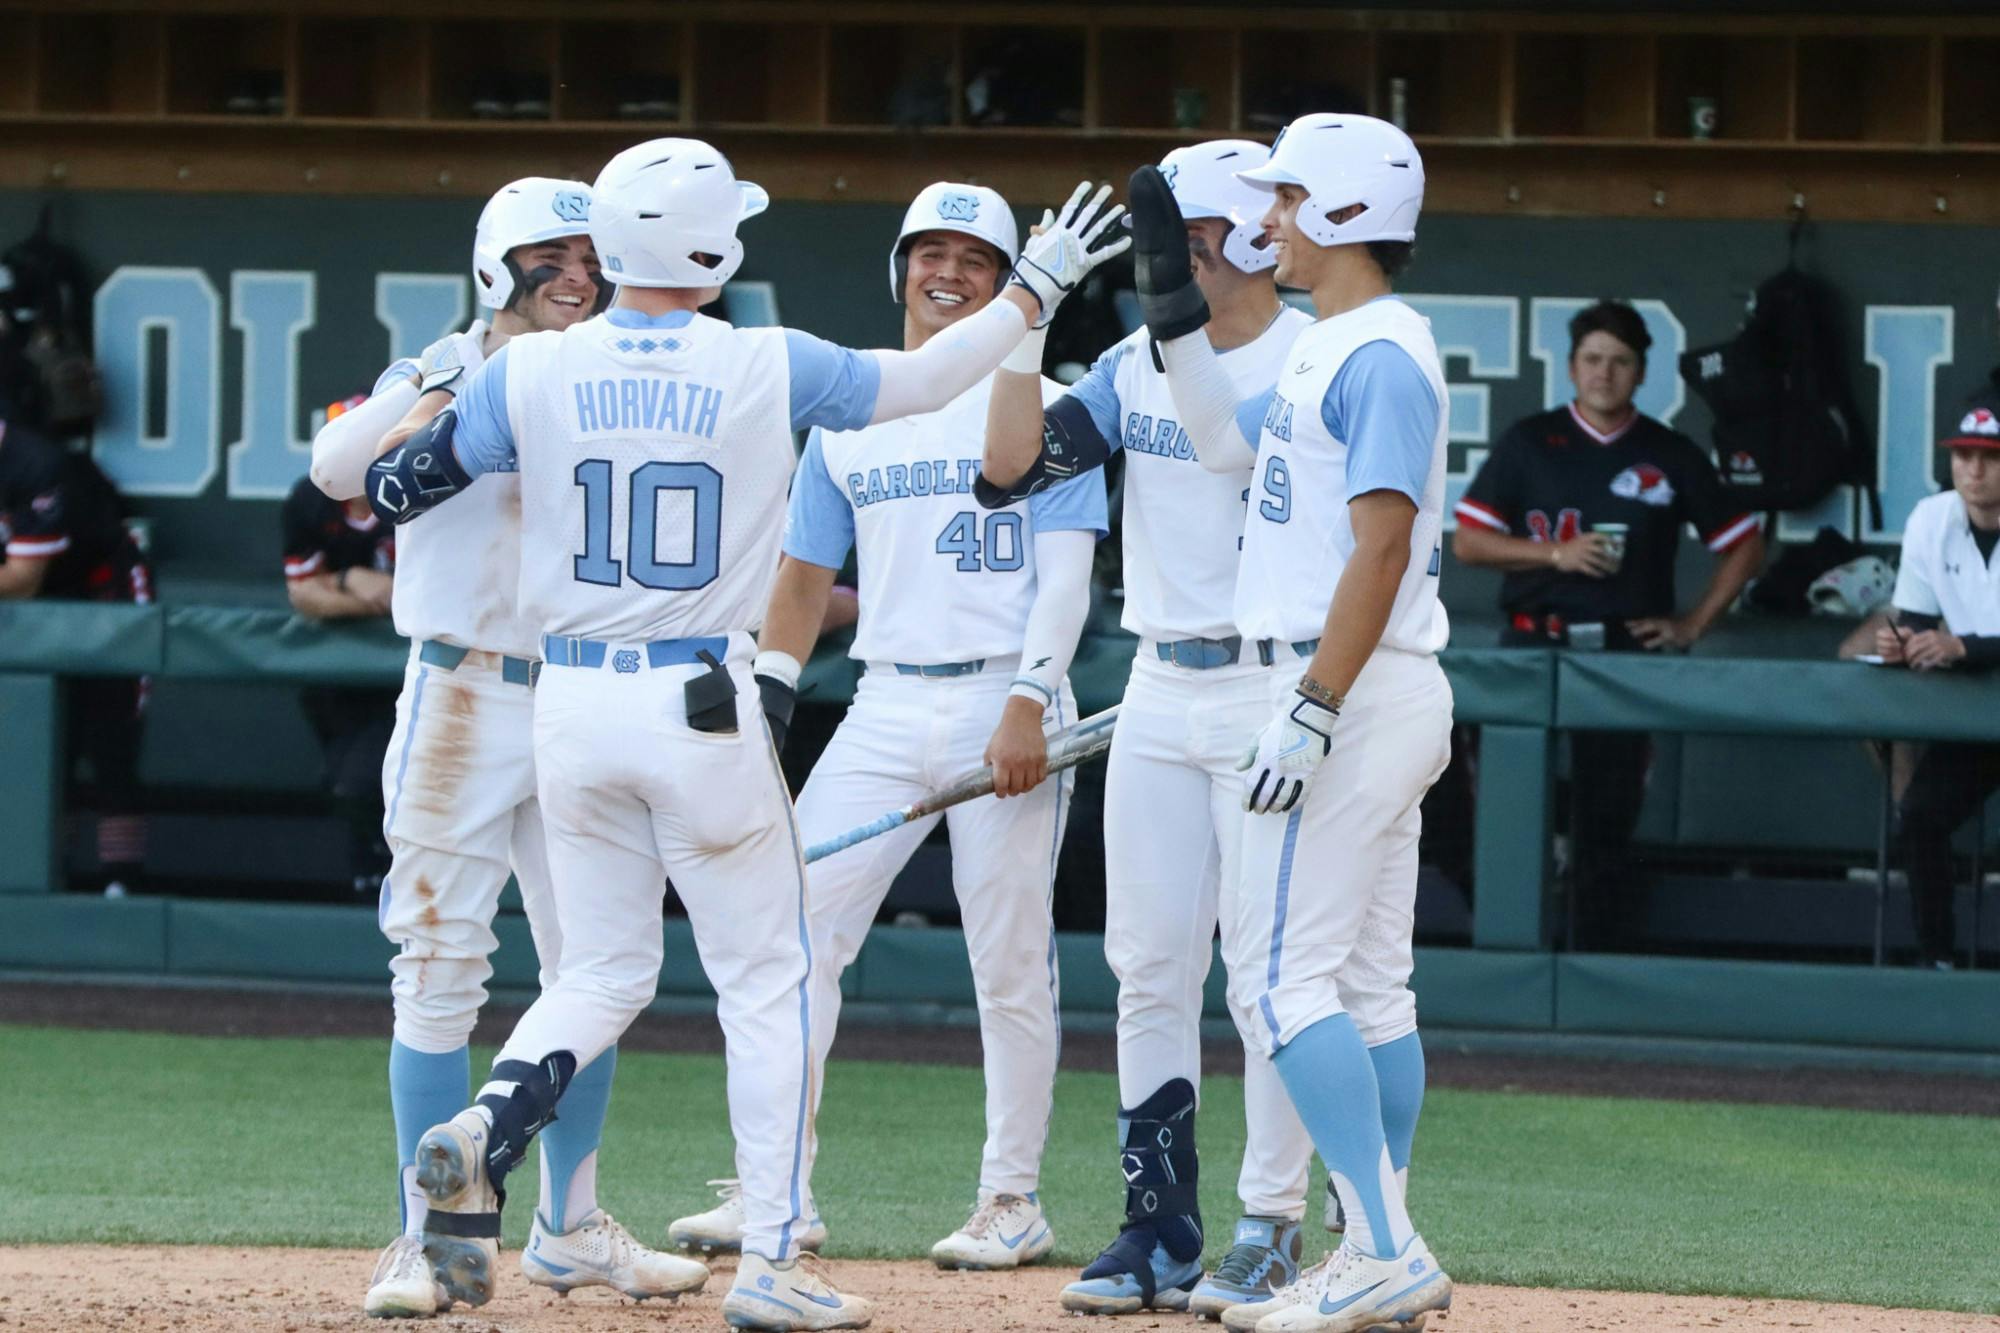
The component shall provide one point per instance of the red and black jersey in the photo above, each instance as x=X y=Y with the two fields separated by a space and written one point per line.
x=321 y=537
x=56 y=505
x=1553 y=476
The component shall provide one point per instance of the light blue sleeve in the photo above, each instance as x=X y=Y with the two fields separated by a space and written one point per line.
x=819 y=522
x=1383 y=407
x=1250 y=415
x=1078 y=504
x=1098 y=392
x=832 y=386
x=484 y=438
x=405 y=369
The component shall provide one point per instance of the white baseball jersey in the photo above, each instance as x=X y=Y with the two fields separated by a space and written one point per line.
x=941 y=579
x=1183 y=525
x=458 y=572
x=1942 y=572
x=657 y=452
x=1359 y=406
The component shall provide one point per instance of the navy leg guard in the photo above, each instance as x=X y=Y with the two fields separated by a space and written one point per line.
x=524 y=1110
x=1162 y=1200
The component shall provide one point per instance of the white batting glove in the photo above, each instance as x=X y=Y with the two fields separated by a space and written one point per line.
x=447 y=363
x=1057 y=259
x=1278 y=771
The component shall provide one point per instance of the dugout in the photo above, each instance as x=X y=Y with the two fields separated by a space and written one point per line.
x=274 y=196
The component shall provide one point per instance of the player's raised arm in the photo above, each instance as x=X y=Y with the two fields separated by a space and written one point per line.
x=469 y=436
x=1220 y=424
x=348 y=443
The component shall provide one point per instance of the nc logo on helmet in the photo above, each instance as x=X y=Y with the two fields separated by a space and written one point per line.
x=572 y=206
x=1170 y=174
x=958 y=207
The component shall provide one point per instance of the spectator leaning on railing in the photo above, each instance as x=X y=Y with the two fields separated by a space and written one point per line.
x=340 y=563
x=62 y=535
x=1582 y=507
x=1947 y=617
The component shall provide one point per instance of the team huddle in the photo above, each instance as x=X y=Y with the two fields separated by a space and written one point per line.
x=616 y=561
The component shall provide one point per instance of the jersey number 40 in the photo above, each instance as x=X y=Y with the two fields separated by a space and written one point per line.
x=649 y=483
x=1000 y=551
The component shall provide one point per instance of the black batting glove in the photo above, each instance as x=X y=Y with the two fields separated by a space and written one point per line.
x=778 y=700
x=1172 y=304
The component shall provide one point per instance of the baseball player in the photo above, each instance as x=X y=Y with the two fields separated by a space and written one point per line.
x=1338 y=592
x=459 y=776
x=968 y=623
x=1172 y=806
x=654 y=447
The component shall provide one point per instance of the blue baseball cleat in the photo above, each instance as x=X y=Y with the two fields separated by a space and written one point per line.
x=1264 y=1257
x=1126 y=1280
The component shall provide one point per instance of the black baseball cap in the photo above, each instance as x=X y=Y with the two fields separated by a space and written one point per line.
x=1980 y=426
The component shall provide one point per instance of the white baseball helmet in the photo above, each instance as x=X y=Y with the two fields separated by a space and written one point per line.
x=1203 y=179
x=972 y=210
x=1342 y=160
x=524 y=212
x=657 y=205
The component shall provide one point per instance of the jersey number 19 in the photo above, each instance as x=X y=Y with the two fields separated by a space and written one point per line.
x=649 y=482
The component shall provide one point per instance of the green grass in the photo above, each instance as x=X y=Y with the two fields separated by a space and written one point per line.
x=128 y=1137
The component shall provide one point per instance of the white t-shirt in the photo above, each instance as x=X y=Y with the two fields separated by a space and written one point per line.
x=1942 y=572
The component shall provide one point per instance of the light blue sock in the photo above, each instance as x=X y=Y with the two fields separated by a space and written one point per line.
x=1331 y=1081
x=1399 y=1073
x=569 y=1145
x=424 y=1090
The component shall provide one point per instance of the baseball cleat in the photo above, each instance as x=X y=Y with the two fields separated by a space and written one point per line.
x=598 y=1252
x=1004 y=1231
x=1122 y=1293
x=1351 y=1292
x=720 y=1229
x=1264 y=1258
x=1336 y=1217
x=404 y=1287
x=462 y=1224
x=780 y=1298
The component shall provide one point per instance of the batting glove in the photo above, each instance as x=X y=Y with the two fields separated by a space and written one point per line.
x=1055 y=261
x=777 y=677
x=449 y=361
x=1162 y=269
x=1278 y=771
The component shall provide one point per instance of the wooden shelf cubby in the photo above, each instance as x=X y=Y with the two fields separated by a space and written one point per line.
x=841 y=98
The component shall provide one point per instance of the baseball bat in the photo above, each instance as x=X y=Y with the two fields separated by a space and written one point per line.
x=1075 y=744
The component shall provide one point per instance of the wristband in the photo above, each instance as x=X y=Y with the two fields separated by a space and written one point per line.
x=779 y=666
x=1027 y=687
x=1321 y=695
x=1026 y=358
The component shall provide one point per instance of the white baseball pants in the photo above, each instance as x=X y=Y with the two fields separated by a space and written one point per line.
x=631 y=796
x=1173 y=818
x=458 y=789
x=903 y=736
x=1329 y=890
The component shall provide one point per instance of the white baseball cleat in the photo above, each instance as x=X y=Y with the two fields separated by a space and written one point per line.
x=462 y=1224
x=1355 y=1293
x=780 y=1298
x=598 y=1252
x=1004 y=1231
x=720 y=1229
x=404 y=1287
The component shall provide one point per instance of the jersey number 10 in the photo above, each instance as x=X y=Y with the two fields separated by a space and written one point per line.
x=648 y=483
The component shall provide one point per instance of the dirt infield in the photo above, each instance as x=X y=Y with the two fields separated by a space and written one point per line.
x=161 y=1289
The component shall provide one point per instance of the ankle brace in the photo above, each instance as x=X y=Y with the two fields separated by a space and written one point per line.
x=521 y=1100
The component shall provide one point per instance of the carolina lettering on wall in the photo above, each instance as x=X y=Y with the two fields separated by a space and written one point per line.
x=160 y=332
